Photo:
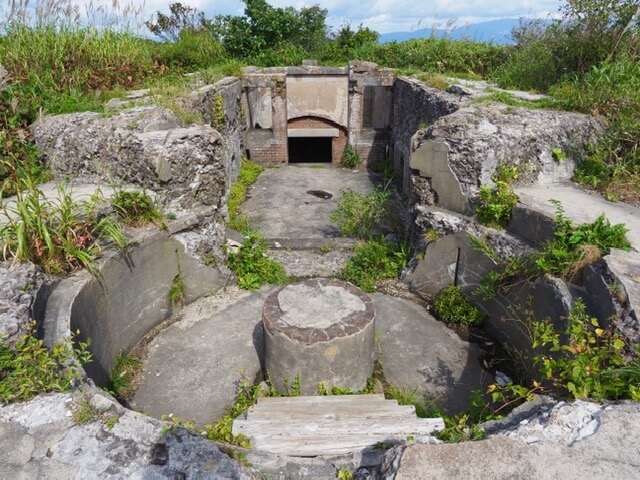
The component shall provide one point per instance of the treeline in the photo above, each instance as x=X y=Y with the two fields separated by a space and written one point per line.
x=589 y=60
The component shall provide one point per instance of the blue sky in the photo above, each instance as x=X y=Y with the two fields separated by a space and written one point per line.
x=391 y=15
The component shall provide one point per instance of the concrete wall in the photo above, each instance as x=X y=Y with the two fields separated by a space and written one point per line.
x=321 y=96
x=414 y=106
x=220 y=106
x=265 y=104
x=130 y=297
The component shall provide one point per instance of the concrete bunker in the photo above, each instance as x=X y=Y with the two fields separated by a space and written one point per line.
x=311 y=114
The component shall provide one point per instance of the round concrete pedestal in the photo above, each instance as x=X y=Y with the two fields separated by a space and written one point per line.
x=321 y=331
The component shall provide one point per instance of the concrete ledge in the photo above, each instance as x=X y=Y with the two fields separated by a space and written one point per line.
x=313 y=132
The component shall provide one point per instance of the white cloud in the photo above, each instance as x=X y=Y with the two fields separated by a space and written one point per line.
x=383 y=15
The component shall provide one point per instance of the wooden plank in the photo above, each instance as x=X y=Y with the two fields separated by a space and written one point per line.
x=313 y=446
x=406 y=411
x=301 y=429
x=321 y=399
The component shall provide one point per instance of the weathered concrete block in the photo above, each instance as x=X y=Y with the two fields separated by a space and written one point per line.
x=321 y=331
x=482 y=138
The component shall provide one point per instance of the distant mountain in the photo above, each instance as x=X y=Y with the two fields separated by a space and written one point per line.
x=495 y=31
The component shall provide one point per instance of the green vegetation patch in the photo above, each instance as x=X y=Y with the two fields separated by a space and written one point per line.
x=58 y=234
x=29 y=368
x=253 y=267
x=350 y=158
x=357 y=214
x=135 y=208
x=495 y=204
x=451 y=306
x=249 y=173
x=123 y=374
x=373 y=261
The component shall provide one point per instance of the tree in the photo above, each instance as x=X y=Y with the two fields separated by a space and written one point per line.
x=181 y=17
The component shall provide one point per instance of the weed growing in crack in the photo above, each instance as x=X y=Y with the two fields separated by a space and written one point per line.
x=357 y=214
x=350 y=158
x=177 y=291
x=124 y=371
x=249 y=173
x=253 y=267
x=135 y=208
x=451 y=306
x=373 y=261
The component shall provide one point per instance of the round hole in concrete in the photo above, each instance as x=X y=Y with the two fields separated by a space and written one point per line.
x=320 y=194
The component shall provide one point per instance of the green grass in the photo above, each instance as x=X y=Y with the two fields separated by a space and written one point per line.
x=252 y=266
x=249 y=173
x=452 y=307
x=135 y=208
x=59 y=234
x=123 y=373
x=357 y=214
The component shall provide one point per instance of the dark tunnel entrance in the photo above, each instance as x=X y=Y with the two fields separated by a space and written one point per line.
x=310 y=149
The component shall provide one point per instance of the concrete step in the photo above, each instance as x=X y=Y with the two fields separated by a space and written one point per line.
x=329 y=425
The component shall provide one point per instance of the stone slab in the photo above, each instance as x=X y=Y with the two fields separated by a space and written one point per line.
x=608 y=452
x=41 y=440
x=581 y=206
x=419 y=352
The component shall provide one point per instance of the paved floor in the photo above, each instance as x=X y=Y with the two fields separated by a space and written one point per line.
x=280 y=207
x=193 y=367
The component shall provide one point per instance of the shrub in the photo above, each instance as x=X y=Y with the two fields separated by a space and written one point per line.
x=135 y=208
x=451 y=306
x=358 y=213
x=573 y=247
x=194 y=49
x=58 y=234
x=253 y=267
x=495 y=204
x=350 y=158
x=373 y=261
x=586 y=360
x=29 y=368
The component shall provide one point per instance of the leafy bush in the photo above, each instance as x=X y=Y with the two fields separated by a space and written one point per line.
x=253 y=267
x=29 y=368
x=573 y=247
x=194 y=49
x=358 y=213
x=495 y=204
x=350 y=158
x=451 y=306
x=135 y=208
x=373 y=261
x=586 y=360
x=58 y=234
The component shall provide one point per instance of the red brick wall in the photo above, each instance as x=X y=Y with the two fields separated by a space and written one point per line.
x=338 y=144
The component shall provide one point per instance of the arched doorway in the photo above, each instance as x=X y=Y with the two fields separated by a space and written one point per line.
x=315 y=140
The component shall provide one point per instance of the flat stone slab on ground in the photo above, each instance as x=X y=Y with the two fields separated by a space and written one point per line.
x=280 y=207
x=581 y=206
x=193 y=367
x=420 y=352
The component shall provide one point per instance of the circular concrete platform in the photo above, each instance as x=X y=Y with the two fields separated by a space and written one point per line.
x=320 y=331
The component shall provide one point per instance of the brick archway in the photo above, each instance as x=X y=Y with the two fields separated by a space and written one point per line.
x=316 y=134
